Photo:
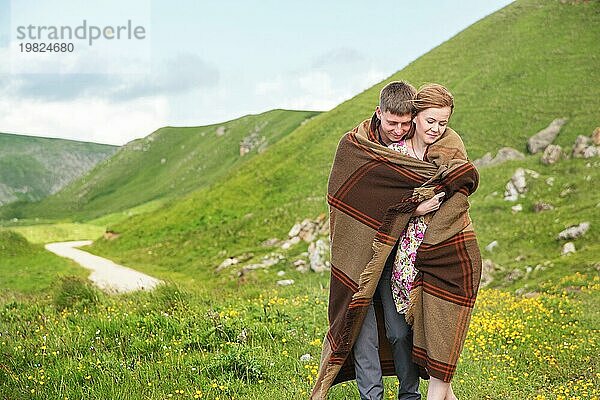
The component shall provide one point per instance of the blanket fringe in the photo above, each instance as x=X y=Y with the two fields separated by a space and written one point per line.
x=413 y=297
x=423 y=193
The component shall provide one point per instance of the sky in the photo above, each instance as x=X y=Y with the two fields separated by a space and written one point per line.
x=192 y=63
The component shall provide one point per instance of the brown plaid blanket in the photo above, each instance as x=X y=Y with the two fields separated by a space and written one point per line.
x=372 y=193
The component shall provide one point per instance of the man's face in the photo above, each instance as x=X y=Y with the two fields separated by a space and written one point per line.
x=393 y=127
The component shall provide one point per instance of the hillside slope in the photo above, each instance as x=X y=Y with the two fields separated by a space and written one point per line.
x=32 y=168
x=169 y=162
x=510 y=78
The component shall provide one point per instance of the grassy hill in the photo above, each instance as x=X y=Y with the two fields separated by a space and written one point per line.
x=32 y=168
x=503 y=96
x=168 y=163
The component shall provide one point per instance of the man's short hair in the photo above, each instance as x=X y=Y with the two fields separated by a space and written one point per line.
x=396 y=97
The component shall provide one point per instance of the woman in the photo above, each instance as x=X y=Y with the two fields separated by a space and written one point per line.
x=433 y=107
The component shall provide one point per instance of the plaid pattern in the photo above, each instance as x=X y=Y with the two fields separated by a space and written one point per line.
x=372 y=193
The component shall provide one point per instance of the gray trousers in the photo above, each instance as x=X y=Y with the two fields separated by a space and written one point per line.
x=366 y=349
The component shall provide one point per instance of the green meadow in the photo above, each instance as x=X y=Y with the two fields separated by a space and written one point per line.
x=226 y=335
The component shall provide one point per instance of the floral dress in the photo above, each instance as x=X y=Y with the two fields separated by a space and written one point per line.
x=404 y=271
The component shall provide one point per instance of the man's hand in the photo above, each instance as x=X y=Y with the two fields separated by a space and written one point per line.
x=427 y=206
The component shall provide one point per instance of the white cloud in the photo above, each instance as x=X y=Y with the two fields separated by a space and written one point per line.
x=92 y=120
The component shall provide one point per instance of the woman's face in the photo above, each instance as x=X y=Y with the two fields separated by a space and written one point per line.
x=431 y=123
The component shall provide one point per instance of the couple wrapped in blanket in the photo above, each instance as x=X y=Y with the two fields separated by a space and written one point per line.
x=405 y=263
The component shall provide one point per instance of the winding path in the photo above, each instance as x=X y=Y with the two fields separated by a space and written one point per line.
x=107 y=275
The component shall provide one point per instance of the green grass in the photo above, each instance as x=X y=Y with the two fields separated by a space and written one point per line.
x=59 y=232
x=247 y=343
x=28 y=268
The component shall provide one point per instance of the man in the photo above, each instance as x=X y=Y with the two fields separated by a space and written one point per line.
x=392 y=121
x=360 y=190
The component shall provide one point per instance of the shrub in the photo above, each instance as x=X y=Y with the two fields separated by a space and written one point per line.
x=239 y=363
x=75 y=292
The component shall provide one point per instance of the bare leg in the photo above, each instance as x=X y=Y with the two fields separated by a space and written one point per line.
x=437 y=390
x=450 y=394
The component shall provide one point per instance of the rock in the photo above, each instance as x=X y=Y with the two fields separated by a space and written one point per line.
x=317 y=254
x=541 y=206
x=581 y=144
x=574 y=231
x=220 y=131
x=487 y=270
x=596 y=136
x=504 y=154
x=295 y=230
x=285 y=282
x=301 y=266
x=290 y=242
x=516 y=186
x=305 y=357
x=551 y=154
x=163 y=160
x=566 y=191
x=280 y=273
x=271 y=242
x=309 y=231
x=568 y=248
x=267 y=262
x=550 y=181
x=228 y=262
x=490 y=247
x=483 y=161
x=591 y=151
x=517 y=208
x=514 y=275
x=324 y=230
x=546 y=136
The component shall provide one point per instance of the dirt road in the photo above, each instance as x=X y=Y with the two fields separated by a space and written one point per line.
x=107 y=275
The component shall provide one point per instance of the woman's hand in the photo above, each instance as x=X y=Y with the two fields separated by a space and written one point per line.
x=427 y=206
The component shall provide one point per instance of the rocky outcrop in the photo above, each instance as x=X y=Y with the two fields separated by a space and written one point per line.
x=315 y=232
x=545 y=137
x=254 y=140
x=251 y=142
